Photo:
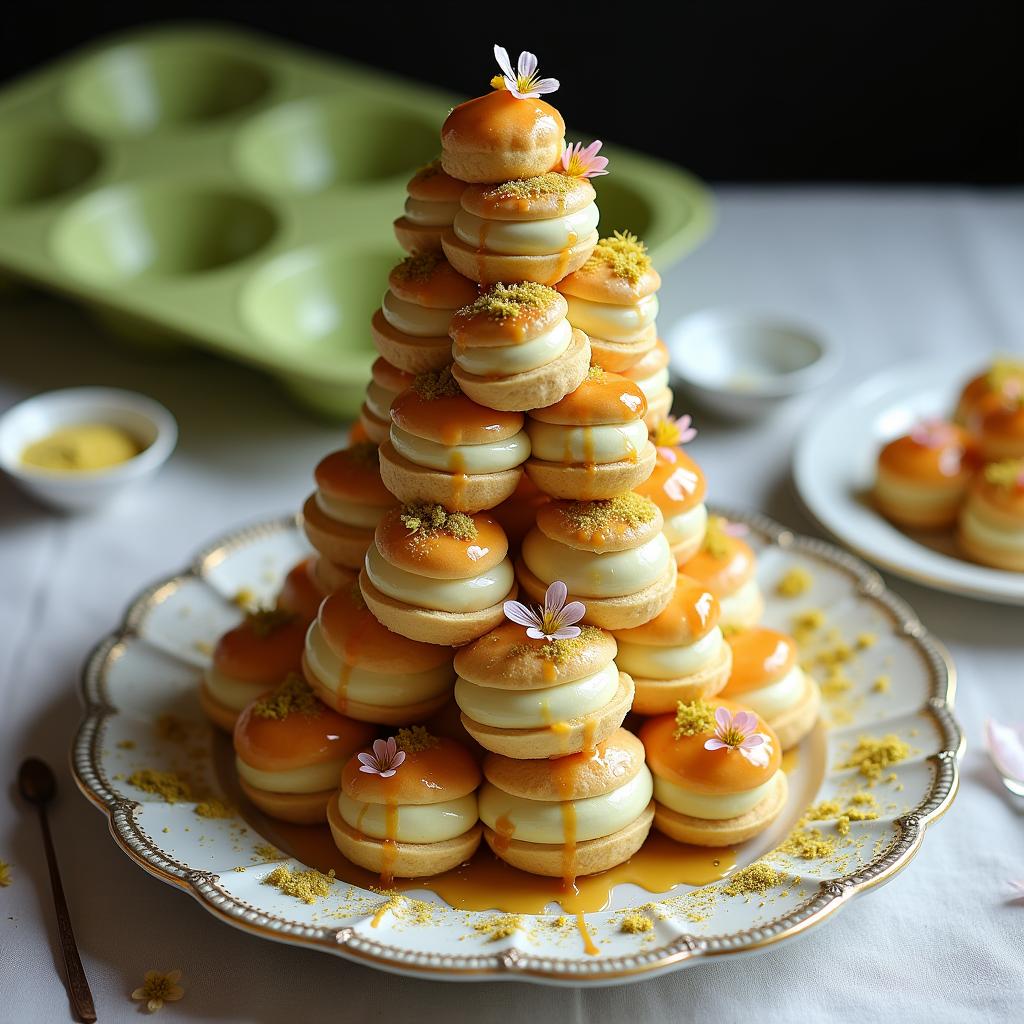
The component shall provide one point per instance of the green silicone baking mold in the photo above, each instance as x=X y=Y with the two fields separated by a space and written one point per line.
x=205 y=185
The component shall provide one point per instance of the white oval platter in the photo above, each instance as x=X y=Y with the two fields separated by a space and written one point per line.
x=141 y=712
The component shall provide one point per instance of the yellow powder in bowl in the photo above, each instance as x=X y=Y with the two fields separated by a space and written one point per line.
x=81 y=448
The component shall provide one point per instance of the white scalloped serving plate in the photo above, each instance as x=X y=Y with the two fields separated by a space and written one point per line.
x=150 y=666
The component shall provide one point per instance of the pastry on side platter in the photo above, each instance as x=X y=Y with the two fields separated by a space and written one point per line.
x=991 y=528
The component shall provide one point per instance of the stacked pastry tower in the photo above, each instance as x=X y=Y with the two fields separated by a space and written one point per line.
x=520 y=404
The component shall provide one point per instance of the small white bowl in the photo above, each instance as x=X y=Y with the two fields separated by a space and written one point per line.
x=35 y=418
x=744 y=365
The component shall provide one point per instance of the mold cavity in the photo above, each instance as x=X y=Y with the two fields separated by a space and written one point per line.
x=39 y=165
x=313 y=144
x=319 y=301
x=159 y=229
x=137 y=88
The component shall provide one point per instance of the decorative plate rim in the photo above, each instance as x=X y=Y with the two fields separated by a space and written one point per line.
x=514 y=964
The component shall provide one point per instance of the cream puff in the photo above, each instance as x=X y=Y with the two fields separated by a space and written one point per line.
x=767 y=678
x=431 y=205
x=517 y=514
x=611 y=555
x=410 y=330
x=677 y=486
x=499 y=136
x=514 y=349
x=363 y=670
x=1003 y=380
x=408 y=806
x=339 y=517
x=528 y=229
x=922 y=477
x=727 y=566
x=290 y=750
x=613 y=298
x=249 y=659
x=569 y=816
x=438 y=576
x=650 y=374
x=680 y=654
x=1000 y=434
x=717 y=768
x=525 y=697
x=447 y=449
x=301 y=592
x=387 y=382
x=991 y=529
x=593 y=444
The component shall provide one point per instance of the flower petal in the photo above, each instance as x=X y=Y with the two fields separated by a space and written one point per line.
x=513 y=88
x=370 y=769
x=723 y=718
x=545 y=86
x=527 y=64
x=757 y=756
x=139 y=993
x=380 y=750
x=536 y=633
x=555 y=595
x=668 y=455
x=154 y=1004
x=572 y=612
x=1006 y=748
x=173 y=977
x=566 y=633
x=387 y=774
x=501 y=56
x=745 y=721
x=392 y=749
x=592 y=150
x=399 y=759
x=520 y=614
x=755 y=739
x=714 y=743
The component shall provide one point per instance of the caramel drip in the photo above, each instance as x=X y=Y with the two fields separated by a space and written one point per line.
x=791 y=760
x=457 y=464
x=505 y=828
x=549 y=671
x=563 y=772
x=379 y=915
x=390 y=850
x=589 y=728
x=588 y=943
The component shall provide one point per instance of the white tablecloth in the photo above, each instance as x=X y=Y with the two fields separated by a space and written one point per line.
x=890 y=275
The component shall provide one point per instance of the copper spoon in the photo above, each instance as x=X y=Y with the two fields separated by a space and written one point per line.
x=38 y=786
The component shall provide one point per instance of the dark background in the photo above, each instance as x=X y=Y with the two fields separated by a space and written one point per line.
x=749 y=91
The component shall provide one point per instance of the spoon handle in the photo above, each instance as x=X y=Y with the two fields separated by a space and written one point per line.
x=78 y=984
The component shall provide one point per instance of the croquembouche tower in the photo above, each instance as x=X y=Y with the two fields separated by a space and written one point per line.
x=513 y=552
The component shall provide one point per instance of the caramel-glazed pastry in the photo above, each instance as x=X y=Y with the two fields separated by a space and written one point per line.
x=431 y=206
x=301 y=592
x=680 y=654
x=497 y=137
x=339 y=517
x=767 y=679
x=923 y=476
x=613 y=298
x=514 y=349
x=717 y=769
x=249 y=659
x=518 y=513
x=529 y=229
x=387 y=382
x=611 y=555
x=1001 y=431
x=408 y=806
x=540 y=698
x=651 y=376
x=447 y=449
x=410 y=330
x=363 y=670
x=290 y=749
x=438 y=576
x=677 y=486
x=726 y=565
x=593 y=444
x=1003 y=380
x=991 y=527
x=569 y=816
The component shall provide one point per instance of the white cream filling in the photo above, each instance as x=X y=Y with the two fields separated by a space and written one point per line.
x=413 y=823
x=923 y=496
x=471 y=594
x=586 y=574
x=526 y=237
x=687 y=526
x=363 y=685
x=431 y=213
x=707 y=806
x=532 y=709
x=310 y=778
x=419 y=321
x=490 y=457
x=985 y=533
x=504 y=360
x=378 y=400
x=233 y=693
x=543 y=821
x=609 y=442
x=771 y=700
x=654 y=384
x=743 y=608
x=349 y=513
x=611 y=322
x=645 y=661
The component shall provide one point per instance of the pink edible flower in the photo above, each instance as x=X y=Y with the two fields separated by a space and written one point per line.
x=672 y=431
x=735 y=529
x=1006 y=749
x=932 y=433
x=554 y=621
x=737 y=732
x=578 y=162
x=523 y=83
x=385 y=760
